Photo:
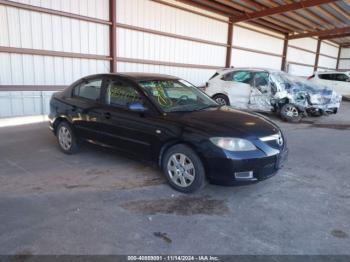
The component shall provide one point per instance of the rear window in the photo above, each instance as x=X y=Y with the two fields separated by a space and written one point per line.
x=90 y=89
x=214 y=75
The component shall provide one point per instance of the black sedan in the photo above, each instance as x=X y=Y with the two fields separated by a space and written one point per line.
x=167 y=120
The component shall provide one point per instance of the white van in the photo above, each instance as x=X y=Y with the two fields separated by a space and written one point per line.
x=335 y=80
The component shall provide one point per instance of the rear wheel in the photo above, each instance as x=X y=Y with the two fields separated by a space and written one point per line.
x=222 y=100
x=290 y=113
x=183 y=169
x=66 y=138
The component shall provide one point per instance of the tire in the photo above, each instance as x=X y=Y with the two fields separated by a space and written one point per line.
x=222 y=99
x=66 y=138
x=183 y=169
x=290 y=113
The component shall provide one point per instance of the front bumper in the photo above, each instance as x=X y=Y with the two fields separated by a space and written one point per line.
x=224 y=171
x=329 y=108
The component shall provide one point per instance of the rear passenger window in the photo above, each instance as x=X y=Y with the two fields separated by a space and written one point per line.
x=120 y=95
x=89 y=89
x=242 y=77
x=239 y=76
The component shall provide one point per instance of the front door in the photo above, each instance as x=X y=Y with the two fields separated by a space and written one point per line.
x=130 y=131
x=261 y=94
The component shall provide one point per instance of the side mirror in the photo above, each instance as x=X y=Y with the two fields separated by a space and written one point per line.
x=137 y=107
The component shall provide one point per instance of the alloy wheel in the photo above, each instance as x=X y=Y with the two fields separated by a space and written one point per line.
x=220 y=101
x=181 y=170
x=291 y=111
x=65 y=138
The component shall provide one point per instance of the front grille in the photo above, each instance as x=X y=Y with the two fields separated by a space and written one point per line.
x=275 y=141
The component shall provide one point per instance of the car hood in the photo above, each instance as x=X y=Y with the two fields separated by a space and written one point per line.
x=227 y=121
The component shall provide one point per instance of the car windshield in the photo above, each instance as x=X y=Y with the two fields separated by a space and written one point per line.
x=287 y=82
x=177 y=95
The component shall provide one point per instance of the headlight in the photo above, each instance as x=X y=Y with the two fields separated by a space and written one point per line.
x=233 y=144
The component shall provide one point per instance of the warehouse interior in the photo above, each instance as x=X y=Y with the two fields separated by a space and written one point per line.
x=101 y=202
x=46 y=45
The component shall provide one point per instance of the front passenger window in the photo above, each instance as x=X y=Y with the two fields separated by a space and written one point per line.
x=121 y=95
x=261 y=82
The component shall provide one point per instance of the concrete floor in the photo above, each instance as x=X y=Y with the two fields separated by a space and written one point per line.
x=99 y=202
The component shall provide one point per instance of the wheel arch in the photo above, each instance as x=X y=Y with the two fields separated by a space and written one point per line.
x=222 y=94
x=59 y=120
x=172 y=143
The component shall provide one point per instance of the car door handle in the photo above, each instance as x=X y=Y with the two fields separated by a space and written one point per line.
x=107 y=115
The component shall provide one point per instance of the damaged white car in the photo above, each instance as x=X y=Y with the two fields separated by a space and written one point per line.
x=266 y=90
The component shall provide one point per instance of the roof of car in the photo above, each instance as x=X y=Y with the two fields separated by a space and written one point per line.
x=248 y=68
x=333 y=72
x=140 y=76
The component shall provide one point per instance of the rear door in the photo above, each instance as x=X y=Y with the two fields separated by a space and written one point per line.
x=237 y=86
x=85 y=98
x=261 y=94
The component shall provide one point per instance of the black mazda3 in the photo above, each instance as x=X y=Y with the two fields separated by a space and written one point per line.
x=167 y=120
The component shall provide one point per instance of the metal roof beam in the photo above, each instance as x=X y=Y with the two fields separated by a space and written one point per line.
x=335 y=36
x=281 y=9
x=323 y=33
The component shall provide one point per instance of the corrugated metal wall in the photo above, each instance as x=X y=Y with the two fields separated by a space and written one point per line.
x=34 y=30
x=302 y=55
x=344 y=62
x=256 y=47
x=134 y=44
x=152 y=36
x=39 y=31
x=328 y=56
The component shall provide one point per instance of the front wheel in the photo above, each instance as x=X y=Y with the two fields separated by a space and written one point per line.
x=290 y=113
x=183 y=169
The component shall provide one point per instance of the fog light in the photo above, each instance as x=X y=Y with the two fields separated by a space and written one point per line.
x=244 y=175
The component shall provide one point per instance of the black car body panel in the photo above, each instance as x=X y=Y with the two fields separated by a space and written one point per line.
x=146 y=135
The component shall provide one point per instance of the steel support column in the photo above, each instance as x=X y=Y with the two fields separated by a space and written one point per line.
x=317 y=54
x=113 y=35
x=338 y=58
x=284 y=54
x=229 y=42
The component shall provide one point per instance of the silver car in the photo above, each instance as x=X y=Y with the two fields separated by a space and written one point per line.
x=267 y=90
